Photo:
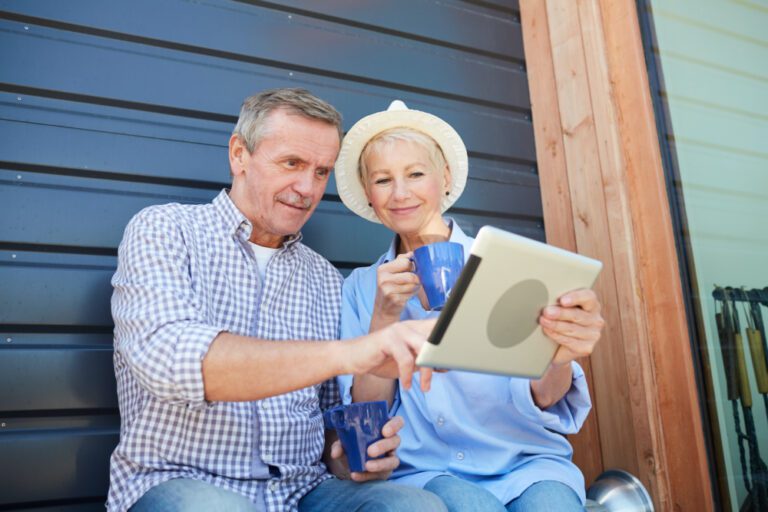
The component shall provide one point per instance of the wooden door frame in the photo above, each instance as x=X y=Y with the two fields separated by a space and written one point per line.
x=604 y=195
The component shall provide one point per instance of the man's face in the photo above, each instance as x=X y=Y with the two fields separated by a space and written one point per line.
x=279 y=185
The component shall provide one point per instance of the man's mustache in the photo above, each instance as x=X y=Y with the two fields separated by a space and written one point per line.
x=295 y=200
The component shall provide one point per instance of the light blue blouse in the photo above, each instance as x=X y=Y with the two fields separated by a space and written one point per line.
x=483 y=428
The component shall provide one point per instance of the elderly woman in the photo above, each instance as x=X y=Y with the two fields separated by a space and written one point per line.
x=479 y=442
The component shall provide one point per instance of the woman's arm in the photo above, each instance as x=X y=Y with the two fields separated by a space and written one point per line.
x=369 y=388
x=395 y=285
x=552 y=386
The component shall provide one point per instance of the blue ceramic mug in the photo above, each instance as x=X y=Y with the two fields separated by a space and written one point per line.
x=358 y=426
x=438 y=266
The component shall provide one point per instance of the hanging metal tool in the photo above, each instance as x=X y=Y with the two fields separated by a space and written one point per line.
x=757 y=343
x=727 y=349
x=757 y=500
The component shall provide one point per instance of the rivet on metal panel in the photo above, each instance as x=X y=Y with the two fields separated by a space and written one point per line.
x=18 y=98
x=26 y=27
x=13 y=256
x=290 y=73
x=8 y=340
x=290 y=17
x=18 y=176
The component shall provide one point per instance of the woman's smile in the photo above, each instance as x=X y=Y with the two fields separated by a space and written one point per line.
x=403 y=211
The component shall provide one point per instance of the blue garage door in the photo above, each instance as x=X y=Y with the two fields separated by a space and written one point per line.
x=107 y=107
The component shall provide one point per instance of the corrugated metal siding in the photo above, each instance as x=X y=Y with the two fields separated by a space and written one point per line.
x=109 y=107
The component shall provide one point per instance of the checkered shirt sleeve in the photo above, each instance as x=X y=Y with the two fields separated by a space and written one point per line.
x=160 y=329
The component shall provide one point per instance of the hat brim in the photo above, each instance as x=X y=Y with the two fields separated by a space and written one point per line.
x=348 y=181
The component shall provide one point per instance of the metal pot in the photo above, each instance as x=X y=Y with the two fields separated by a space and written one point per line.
x=618 y=491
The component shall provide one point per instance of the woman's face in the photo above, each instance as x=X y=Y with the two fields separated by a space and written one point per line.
x=404 y=188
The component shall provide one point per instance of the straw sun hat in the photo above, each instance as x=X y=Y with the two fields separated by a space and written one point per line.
x=397 y=116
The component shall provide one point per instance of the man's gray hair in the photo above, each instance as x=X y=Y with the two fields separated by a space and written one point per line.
x=251 y=125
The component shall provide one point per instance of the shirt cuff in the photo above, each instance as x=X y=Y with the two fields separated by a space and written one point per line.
x=191 y=347
x=567 y=415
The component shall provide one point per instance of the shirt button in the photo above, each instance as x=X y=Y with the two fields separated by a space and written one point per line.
x=460 y=455
x=273 y=486
x=440 y=421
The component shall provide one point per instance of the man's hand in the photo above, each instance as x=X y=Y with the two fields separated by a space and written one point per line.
x=575 y=324
x=391 y=352
x=375 y=469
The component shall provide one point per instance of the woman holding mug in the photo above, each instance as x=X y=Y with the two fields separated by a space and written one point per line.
x=480 y=442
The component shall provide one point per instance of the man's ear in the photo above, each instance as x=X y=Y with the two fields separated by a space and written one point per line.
x=237 y=153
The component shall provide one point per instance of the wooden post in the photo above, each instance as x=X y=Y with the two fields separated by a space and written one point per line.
x=604 y=194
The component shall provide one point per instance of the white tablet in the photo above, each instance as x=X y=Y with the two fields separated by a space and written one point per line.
x=490 y=322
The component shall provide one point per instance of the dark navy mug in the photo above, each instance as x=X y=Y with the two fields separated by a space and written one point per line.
x=358 y=426
x=438 y=266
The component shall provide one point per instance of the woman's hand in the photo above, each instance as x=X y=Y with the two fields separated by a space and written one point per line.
x=575 y=325
x=375 y=469
x=395 y=285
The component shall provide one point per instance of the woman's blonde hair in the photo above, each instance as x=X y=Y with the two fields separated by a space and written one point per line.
x=400 y=134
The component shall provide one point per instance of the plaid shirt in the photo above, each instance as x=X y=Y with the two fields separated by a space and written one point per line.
x=186 y=273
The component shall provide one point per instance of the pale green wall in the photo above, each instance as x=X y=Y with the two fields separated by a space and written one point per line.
x=714 y=57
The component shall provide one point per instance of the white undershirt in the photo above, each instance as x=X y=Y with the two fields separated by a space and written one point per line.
x=262 y=255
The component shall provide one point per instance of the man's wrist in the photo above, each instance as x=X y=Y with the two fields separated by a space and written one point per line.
x=342 y=356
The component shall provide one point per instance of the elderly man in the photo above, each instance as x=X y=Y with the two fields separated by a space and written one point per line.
x=217 y=414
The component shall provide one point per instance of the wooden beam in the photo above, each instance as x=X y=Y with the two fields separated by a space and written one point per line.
x=643 y=401
x=556 y=195
x=657 y=262
x=591 y=227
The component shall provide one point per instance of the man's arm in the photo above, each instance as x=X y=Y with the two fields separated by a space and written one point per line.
x=239 y=368
x=177 y=356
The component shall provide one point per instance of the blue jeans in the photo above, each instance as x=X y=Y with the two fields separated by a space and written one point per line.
x=187 y=495
x=546 y=495
x=463 y=496
x=345 y=495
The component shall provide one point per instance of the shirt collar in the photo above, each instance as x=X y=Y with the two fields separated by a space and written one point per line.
x=236 y=223
x=457 y=235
